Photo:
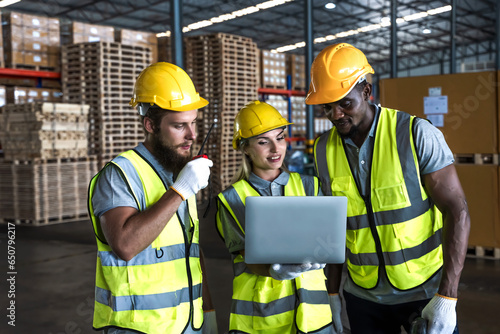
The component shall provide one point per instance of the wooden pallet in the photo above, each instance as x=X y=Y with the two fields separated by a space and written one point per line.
x=229 y=84
x=41 y=192
x=103 y=76
x=44 y=130
x=484 y=252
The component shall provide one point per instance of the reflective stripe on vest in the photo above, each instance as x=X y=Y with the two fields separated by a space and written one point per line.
x=398 y=211
x=263 y=303
x=159 y=290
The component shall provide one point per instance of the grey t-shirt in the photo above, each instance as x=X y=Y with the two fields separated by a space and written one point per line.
x=112 y=191
x=434 y=154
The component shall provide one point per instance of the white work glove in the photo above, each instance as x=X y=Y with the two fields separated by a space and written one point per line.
x=282 y=272
x=336 y=307
x=193 y=177
x=441 y=315
x=209 y=323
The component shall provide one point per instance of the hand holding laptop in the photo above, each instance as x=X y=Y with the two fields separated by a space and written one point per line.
x=282 y=272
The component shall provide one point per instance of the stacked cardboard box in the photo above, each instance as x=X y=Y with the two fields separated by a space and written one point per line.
x=280 y=102
x=31 y=41
x=164 y=49
x=2 y=97
x=140 y=38
x=467 y=115
x=19 y=95
x=78 y=32
x=273 y=70
x=224 y=70
x=298 y=116
x=103 y=75
x=321 y=125
x=297 y=71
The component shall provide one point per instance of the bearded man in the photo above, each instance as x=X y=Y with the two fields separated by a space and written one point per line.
x=143 y=209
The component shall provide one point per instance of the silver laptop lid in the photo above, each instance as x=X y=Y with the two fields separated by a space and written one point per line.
x=295 y=229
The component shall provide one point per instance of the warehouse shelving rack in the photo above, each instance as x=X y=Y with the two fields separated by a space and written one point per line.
x=23 y=73
x=288 y=93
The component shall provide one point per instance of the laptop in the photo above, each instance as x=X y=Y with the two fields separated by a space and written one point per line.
x=295 y=229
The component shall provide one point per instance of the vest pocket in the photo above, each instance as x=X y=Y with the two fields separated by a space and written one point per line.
x=341 y=184
x=392 y=197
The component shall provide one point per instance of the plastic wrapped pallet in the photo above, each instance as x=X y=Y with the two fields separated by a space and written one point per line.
x=273 y=70
x=31 y=42
x=79 y=32
x=19 y=95
x=297 y=71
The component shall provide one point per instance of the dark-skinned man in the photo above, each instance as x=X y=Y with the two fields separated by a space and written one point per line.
x=408 y=221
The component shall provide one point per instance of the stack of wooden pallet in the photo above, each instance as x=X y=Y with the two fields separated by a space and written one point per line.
x=45 y=171
x=41 y=192
x=102 y=75
x=225 y=72
x=44 y=130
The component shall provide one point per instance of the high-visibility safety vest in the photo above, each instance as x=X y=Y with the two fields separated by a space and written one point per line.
x=159 y=290
x=397 y=227
x=262 y=304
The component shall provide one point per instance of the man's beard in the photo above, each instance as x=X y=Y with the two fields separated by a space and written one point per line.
x=167 y=156
x=353 y=131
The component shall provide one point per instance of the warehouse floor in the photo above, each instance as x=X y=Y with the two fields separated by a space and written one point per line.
x=54 y=281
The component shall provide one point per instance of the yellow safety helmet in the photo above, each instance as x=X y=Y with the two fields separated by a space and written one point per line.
x=254 y=119
x=168 y=86
x=335 y=72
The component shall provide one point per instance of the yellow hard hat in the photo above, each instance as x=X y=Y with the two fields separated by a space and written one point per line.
x=168 y=86
x=254 y=119
x=334 y=72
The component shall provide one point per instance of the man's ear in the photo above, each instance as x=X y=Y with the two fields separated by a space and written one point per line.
x=367 y=91
x=148 y=125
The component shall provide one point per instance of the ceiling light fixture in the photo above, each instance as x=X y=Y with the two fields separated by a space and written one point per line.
x=426 y=30
x=5 y=3
x=330 y=5
x=370 y=27
x=223 y=17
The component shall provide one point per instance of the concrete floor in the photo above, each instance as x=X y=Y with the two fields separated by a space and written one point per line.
x=55 y=267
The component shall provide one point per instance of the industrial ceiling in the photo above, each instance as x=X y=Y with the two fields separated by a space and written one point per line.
x=358 y=22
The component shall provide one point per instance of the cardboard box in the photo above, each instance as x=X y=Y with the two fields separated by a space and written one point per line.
x=481 y=187
x=140 y=38
x=29 y=39
x=273 y=69
x=471 y=122
x=2 y=97
x=19 y=95
x=78 y=32
x=297 y=70
x=164 y=49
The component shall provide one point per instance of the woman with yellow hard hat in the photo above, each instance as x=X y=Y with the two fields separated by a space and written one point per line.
x=266 y=297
